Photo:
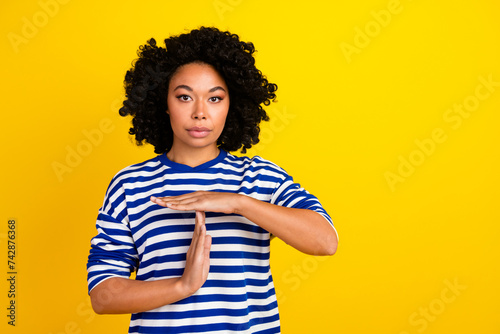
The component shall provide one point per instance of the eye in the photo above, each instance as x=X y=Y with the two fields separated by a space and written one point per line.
x=184 y=97
x=215 y=99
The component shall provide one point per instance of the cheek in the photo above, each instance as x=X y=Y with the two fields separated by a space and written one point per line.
x=224 y=111
x=175 y=112
x=174 y=119
x=222 y=116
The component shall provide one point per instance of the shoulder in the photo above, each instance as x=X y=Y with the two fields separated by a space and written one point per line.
x=138 y=171
x=255 y=164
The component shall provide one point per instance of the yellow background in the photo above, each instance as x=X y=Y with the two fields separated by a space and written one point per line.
x=344 y=121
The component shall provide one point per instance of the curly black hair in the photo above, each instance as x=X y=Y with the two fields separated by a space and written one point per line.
x=146 y=87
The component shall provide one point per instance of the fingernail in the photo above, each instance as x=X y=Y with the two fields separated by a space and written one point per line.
x=153 y=198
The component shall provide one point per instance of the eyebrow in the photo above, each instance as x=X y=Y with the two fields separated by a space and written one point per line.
x=191 y=89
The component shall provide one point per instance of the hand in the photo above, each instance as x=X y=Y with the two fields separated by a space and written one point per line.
x=197 y=257
x=200 y=201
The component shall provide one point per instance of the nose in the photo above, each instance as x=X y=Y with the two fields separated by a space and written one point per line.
x=199 y=111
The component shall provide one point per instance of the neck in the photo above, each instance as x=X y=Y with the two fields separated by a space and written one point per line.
x=193 y=157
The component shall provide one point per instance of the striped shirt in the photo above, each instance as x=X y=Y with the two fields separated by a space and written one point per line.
x=135 y=234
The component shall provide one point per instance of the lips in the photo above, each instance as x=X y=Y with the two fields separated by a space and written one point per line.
x=198 y=132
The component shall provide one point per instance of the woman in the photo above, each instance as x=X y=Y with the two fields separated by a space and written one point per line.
x=195 y=222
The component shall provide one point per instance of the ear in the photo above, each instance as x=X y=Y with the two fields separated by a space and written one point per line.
x=168 y=113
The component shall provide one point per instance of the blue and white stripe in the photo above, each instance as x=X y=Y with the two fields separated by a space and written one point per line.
x=135 y=234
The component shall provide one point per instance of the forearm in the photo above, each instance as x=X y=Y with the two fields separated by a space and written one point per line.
x=118 y=295
x=303 y=229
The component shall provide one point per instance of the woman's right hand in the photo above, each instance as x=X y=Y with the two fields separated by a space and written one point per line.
x=197 y=257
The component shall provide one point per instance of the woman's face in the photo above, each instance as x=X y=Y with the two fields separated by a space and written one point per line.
x=198 y=103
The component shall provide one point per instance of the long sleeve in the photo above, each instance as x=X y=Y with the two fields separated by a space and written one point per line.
x=112 y=253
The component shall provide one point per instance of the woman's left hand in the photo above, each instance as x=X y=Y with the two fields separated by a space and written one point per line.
x=200 y=201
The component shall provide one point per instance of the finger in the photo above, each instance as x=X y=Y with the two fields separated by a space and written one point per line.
x=206 y=250
x=200 y=245
x=176 y=205
x=193 y=244
x=207 y=246
x=184 y=201
x=169 y=199
x=199 y=218
x=183 y=196
x=199 y=225
x=158 y=201
x=198 y=221
x=183 y=207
